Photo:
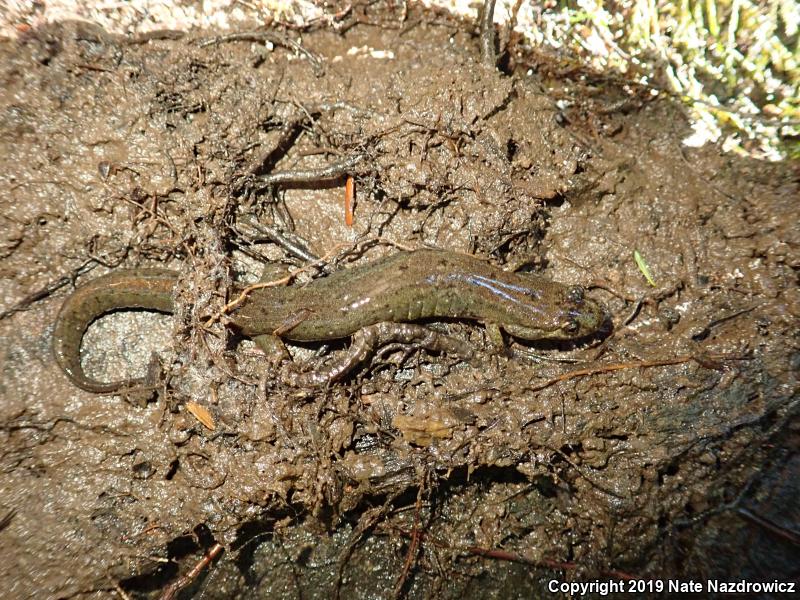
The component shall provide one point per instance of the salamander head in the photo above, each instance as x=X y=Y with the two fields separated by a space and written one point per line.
x=570 y=315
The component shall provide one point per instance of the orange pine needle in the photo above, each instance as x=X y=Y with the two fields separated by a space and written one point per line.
x=349 y=198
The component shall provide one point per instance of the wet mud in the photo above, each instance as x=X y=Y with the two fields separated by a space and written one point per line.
x=664 y=446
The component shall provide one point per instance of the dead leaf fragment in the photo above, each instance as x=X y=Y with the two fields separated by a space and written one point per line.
x=202 y=414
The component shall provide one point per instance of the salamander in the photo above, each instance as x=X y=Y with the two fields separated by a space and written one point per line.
x=379 y=297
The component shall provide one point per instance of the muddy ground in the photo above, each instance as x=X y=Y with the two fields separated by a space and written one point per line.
x=668 y=447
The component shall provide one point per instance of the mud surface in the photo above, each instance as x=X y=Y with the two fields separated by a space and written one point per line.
x=671 y=446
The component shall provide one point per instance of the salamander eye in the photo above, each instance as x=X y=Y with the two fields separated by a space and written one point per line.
x=571 y=327
x=575 y=295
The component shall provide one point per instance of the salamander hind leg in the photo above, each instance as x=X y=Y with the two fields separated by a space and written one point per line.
x=366 y=341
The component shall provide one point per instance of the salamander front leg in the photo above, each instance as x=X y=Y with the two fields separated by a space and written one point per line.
x=497 y=344
x=272 y=346
x=495 y=337
x=367 y=340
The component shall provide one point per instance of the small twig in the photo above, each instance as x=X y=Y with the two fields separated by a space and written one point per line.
x=305 y=176
x=288 y=134
x=268 y=36
x=706 y=331
x=158 y=34
x=289 y=242
x=504 y=555
x=510 y=557
x=633 y=365
x=44 y=292
x=120 y=591
x=511 y=26
x=581 y=472
x=635 y=312
x=176 y=586
x=488 y=51
x=367 y=521
x=152 y=212
x=7 y=518
x=413 y=546
x=600 y=284
x=222 y=366
x=785 y=533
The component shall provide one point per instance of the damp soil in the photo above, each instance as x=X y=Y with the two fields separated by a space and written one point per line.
x=663 y=447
